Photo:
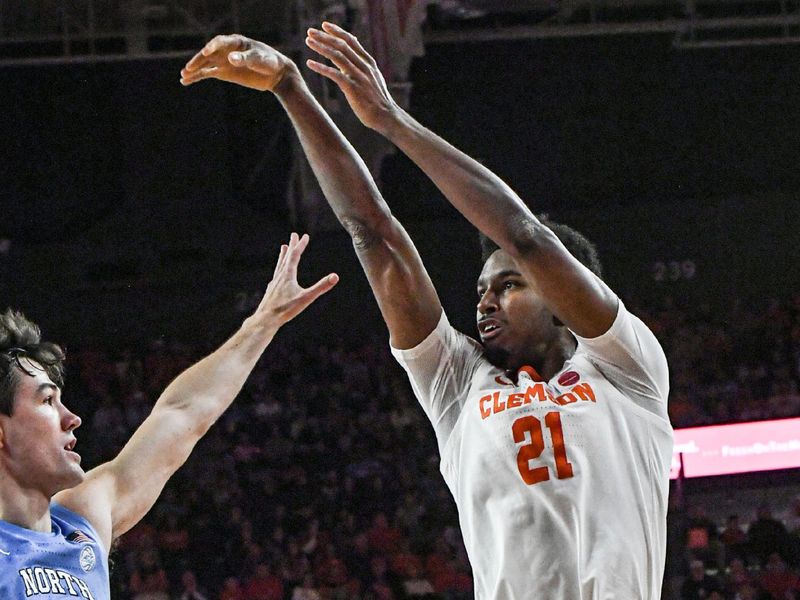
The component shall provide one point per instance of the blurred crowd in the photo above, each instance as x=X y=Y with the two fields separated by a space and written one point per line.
x=743 y=559
x=742 y=364
x=322 y=481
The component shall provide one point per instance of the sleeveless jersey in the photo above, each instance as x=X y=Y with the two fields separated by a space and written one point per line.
x=561 y=485
x=67 y=562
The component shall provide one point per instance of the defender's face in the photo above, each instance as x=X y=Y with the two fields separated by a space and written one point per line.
x=37 y=441
x=514 y=324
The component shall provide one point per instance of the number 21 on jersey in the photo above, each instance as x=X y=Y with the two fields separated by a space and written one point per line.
x=529 y=429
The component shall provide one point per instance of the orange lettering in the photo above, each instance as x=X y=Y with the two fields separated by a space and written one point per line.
x=536 y=392
x=532 y=426
x=563 y=466
x=567 y=398
x=485 y=412
x=514 y=400
x=585 y=392
x=498 y=406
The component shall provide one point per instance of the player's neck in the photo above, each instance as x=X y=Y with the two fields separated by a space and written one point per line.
x=550 y=360
x=28 y=508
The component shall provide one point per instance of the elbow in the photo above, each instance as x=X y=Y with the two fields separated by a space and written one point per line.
x=367 y=233
x=528 y=237
x=191 y=420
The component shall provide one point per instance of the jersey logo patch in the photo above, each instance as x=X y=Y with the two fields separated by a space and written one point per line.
x=79 y=537
x=88 y=559
x=569 y=378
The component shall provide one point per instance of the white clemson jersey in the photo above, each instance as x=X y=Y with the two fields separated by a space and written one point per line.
x=562 y=485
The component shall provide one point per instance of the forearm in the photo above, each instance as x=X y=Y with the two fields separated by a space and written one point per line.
x=480 y=195
x=344 y=178
x=204 y=390
x=405 y=293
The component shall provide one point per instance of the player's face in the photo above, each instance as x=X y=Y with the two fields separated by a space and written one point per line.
x=515 y=326
x=36 y=441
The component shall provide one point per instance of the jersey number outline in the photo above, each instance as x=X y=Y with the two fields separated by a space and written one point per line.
x=533 y=450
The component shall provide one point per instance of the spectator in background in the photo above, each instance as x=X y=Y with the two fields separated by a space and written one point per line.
x=701 y=536
x=173 y=542
x=295 y=565
x=415 y=584
x=357 y=558
x=190 y=590
x=149 y=580
x=777 y=578
x=766 y=535
x=699 y=585
x=748 y=592
x=383 y=539
x=793 y=520
x=263 y=585
x=737 y=576
x=231 y=590
x=306 y=590
x=379 y=585
x=793 y=526
x=331 y=575
x=734 y=539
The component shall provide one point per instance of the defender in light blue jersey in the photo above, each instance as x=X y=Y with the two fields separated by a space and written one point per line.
x=57 y=522
x=68 y=561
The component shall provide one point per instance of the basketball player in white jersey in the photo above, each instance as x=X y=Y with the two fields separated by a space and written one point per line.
x=553 y=431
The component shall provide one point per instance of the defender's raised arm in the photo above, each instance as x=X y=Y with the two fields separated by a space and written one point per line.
x=116 y=495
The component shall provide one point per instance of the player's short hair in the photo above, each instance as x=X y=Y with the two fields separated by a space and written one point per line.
x=21 y=339
x=574 y=241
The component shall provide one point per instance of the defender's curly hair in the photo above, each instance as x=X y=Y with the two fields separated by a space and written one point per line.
x=22 y=339
x=577 y=244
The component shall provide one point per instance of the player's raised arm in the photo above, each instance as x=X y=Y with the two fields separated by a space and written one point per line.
x=575 y=295
x=116 y=495
x=404 y=291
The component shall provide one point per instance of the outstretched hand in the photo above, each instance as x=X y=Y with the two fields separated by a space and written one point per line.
x=240 y=60
x=356 y=73
x=285 y=298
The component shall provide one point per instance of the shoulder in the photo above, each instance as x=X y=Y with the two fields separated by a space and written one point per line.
x=443 y=341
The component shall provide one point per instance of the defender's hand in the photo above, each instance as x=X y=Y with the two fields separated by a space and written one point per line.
x=356 y=73
x=284 y=298
x=239 y=60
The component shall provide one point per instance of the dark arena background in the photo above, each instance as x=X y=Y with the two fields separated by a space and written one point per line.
x=140 y=222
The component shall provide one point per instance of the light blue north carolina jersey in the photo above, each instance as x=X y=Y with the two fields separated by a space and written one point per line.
x=68 y=562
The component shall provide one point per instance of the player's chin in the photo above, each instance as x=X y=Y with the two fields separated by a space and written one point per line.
x=67 y=479
x=74 y=475
x=495 y=353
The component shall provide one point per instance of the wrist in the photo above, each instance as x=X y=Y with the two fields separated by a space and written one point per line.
x=395 y=123
x=260 y=326
x=290 y=82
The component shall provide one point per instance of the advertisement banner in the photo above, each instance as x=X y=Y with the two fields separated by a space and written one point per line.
x=737 y=448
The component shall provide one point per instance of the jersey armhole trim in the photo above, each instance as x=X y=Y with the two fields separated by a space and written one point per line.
x=84 y=521
x=424 y=345
x=612 y=331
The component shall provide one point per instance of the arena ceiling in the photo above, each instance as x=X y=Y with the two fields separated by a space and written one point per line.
x=48 y=31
